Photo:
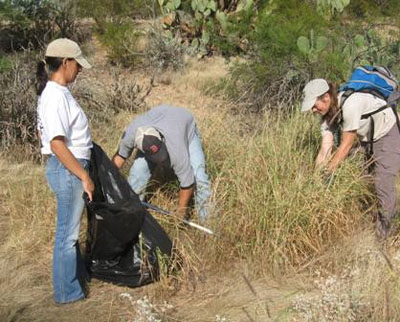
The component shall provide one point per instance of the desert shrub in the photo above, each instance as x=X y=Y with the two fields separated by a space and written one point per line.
x=32 y=23
x=209 y=26
x=103 y=10
x=18 y=138
x=276 y=69
x=287 y=52
x=164 y=49
x=115 y=27
x=371 y=9
x=120 y=39
x=102 y=102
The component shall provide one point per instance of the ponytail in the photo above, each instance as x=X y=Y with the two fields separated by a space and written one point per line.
x=41 y=77
x=44 y=67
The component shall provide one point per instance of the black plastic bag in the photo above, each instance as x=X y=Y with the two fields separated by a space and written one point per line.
x=123 y=239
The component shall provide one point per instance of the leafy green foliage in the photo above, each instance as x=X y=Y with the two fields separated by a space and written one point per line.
x=34 y=23
x=120 y=38
x=115 y=26
x=373 y=9
x=312 y=46
x=294 y=42
x=105 y=11
x=331 y=7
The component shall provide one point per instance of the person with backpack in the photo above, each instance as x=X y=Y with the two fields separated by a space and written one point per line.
x=366 y=116
x=66 y=142
x=168 y=143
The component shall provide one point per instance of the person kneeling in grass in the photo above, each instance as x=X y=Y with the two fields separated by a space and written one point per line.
x=323 y=98
x=167 y=137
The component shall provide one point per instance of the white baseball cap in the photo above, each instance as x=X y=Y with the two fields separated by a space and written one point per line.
x=314 y=89
x=66 y=48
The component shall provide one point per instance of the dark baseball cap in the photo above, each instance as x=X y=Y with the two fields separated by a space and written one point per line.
x=150 y=142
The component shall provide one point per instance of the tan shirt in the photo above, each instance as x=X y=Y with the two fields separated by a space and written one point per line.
x=358 y=104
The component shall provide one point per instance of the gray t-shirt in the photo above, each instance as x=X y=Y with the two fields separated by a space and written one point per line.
x=177 y=125
x=358 y=104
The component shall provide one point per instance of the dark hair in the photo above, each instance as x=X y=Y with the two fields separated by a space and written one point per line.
x=333 y=115
x=52 y=63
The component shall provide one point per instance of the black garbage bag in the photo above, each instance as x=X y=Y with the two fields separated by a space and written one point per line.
x=123 y=240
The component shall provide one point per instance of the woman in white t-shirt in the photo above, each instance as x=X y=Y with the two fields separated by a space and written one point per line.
x=65 y=137
x=323 y=98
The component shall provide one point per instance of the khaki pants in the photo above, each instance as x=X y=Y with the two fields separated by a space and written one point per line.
x=386 y=167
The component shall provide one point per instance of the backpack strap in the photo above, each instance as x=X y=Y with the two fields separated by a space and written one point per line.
x=344 y=97
x=370 y=142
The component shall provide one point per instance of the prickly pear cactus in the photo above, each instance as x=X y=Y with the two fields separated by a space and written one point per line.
x=312 y=46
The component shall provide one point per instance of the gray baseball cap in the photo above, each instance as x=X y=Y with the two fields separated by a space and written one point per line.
x=314 y=89
x=66 y=48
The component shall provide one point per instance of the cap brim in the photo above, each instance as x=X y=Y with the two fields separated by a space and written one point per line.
x=308 y=103
x=83 y=62
x=160 y=156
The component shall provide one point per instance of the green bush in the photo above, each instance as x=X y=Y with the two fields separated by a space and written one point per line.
x=294 y=42
x=33 y=23
x=104 y=10
x=120 y=38
x=371 y=9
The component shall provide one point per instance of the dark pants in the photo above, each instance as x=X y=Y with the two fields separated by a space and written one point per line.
x=386 y=168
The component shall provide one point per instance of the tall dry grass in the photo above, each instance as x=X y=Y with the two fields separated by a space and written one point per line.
x=274 y=207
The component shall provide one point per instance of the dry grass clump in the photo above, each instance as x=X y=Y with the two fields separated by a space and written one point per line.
x=18 y=109
x=273 y=207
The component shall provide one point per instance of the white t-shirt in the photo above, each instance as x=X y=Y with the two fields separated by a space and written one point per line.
x=358 y=104
x=59 y=114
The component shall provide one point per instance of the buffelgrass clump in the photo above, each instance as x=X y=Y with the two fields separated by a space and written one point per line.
x=274 y=207
x=18 y=137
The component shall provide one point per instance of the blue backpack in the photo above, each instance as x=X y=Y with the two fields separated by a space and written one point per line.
x=378 y=81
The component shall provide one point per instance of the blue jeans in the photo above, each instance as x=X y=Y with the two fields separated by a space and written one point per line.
x=140 y=174
x=68 y=267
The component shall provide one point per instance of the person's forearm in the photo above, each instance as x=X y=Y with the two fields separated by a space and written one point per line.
x=325 y=150
x=60 y=149
x=118 y=161
x=343 y=150
x=184 y=198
